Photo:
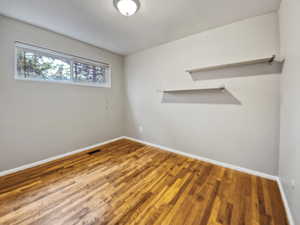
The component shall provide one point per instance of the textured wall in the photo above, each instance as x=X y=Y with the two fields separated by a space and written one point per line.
x=39 y=120
x=289 y=157
x=245 y=135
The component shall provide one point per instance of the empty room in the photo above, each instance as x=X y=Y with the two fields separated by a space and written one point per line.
x=149 y=112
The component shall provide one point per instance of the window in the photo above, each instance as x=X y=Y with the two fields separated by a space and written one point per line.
x=39 y=64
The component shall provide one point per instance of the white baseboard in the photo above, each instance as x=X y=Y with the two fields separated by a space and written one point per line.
x=285 y=202
x=6 y=172
x=226 y=165
x=223 y=164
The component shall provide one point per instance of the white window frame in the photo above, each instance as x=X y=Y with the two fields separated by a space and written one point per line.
x=61 y=55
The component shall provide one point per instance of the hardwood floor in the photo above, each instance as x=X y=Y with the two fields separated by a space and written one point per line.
x=130 y=183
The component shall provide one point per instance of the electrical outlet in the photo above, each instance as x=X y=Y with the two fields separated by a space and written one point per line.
x=141 y=129
x=293 y=184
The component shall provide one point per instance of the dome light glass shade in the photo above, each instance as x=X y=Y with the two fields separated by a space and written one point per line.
x=127 y=7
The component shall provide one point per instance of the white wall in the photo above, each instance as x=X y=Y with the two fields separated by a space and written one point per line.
x=39 y=120
x=289 y=165
x=245 y=135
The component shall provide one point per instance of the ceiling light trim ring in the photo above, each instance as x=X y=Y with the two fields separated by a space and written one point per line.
x=137 y=2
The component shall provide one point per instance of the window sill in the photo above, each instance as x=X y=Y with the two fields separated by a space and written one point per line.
x=65 y=82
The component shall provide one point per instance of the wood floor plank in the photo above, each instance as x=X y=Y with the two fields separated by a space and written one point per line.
x=128 y=183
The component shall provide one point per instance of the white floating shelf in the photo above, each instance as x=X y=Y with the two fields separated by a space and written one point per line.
x=261 y=66
x=203 y=96
x=203 y=90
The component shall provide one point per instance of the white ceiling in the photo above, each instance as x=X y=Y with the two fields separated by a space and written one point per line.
x=158 y=21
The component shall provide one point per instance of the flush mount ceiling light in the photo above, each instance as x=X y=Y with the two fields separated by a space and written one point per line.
x=127 y=7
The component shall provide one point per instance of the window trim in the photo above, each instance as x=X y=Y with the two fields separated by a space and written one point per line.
x=61 y=55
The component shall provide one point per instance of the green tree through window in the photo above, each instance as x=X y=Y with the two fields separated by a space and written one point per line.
x=35 y=64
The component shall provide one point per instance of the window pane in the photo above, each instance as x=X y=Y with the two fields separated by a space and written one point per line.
x=89 y=73
x=35 y=65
